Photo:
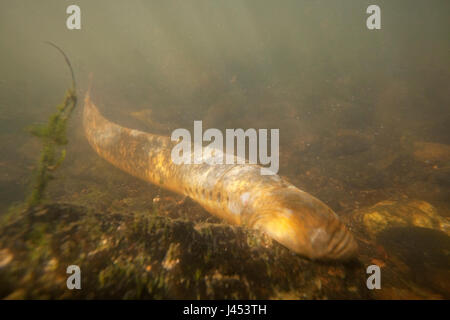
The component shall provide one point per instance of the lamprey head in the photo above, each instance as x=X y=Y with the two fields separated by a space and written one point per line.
x=303 y=224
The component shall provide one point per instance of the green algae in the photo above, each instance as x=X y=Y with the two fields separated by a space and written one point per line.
x=53 y=136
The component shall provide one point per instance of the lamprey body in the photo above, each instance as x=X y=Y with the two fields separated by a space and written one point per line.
x=237 y=193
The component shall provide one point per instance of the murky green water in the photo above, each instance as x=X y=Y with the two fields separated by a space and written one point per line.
x=364 y=118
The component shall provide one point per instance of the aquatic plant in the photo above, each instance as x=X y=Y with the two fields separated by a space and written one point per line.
x=54 y=138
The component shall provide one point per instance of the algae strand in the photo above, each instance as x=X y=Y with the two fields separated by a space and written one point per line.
x=54 y=138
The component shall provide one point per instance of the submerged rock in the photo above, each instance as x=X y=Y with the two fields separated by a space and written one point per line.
x=5 y=257
x=424 y=257
x=404 y=213
x=431 y=152
x=145 y=255
x=410 y=242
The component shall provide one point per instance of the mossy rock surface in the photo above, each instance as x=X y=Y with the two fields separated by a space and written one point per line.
x=145 y=255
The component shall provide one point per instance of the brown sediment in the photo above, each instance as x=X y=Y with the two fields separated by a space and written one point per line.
x=237 y=193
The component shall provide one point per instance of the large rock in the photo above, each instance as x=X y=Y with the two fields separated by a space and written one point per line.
x=146 y=255
x=410 y=242
x=403 y=213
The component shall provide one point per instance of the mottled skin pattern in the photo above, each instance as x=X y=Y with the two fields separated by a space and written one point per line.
x=237 y=193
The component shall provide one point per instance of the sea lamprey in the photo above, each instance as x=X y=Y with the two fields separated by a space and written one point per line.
x=237 y=193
